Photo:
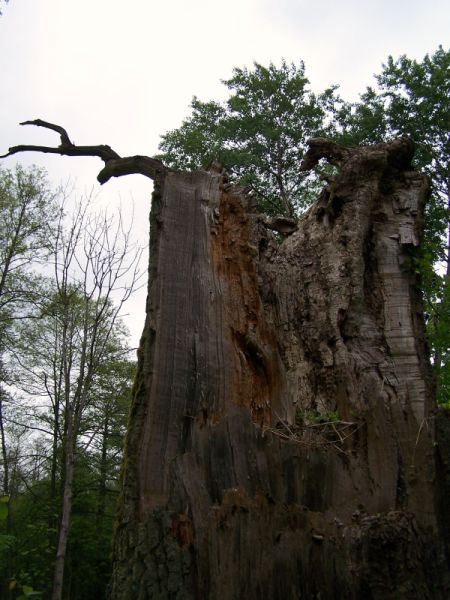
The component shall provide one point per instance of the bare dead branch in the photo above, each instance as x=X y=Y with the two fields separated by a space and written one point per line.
x=115 y=165
x=65 y=140
x=144 y=165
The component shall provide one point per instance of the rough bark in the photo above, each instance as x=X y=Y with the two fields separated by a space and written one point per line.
x=282 y=436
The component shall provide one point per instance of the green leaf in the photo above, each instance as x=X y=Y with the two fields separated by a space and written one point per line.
x=27 y=590
x=7 y=542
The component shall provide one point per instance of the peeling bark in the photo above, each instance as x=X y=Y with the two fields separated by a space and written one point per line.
x=281 y=441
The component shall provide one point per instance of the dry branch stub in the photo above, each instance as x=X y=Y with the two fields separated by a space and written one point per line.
x=229 y=491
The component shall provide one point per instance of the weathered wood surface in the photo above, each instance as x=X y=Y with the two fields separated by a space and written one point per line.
x=230 y=491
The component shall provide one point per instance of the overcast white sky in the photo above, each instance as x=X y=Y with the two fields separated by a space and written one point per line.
x=123 y=72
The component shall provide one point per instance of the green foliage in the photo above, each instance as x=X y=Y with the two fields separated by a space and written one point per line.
x=259 y=133
x=27 y=207
x=27 y=217
x=438 y=328
x=7 y=542
x=34 y=551
x=200 y=139
x=29 y=592
x=315 y=417
x=95 y=492
x=412 y=99
x=417 y=102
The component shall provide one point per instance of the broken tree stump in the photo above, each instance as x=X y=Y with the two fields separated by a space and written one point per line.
x=282 y=436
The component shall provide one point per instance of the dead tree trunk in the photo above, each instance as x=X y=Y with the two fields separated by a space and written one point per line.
x=283 y=442
x=282 y=437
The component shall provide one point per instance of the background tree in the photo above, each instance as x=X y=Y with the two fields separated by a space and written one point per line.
x=62 y=339
x=95 y=486
x=95 y=496
x=86 y=320
x=27 y=215
x=36 y=509
x=27 y=212
x=259 y=133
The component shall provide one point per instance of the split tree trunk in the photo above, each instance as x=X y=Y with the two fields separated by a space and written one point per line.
x=282 y=437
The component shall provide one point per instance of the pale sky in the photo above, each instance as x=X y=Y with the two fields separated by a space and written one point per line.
x=123 y=73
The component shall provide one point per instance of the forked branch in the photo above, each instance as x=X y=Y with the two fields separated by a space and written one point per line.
x=115 y=165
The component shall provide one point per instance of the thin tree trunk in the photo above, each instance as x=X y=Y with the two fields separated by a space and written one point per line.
x=447 y=270
x=4 y=448
x=4 y=591
x=8 y=568
x=55 y=435
x=281 y=441
x=54 y=465
x=58 y=577
x=441 y=306
x=103 y=473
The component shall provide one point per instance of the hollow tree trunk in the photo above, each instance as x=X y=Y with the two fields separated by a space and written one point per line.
x=282 y=437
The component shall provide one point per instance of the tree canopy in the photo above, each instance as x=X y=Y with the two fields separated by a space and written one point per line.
x=259 y=133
